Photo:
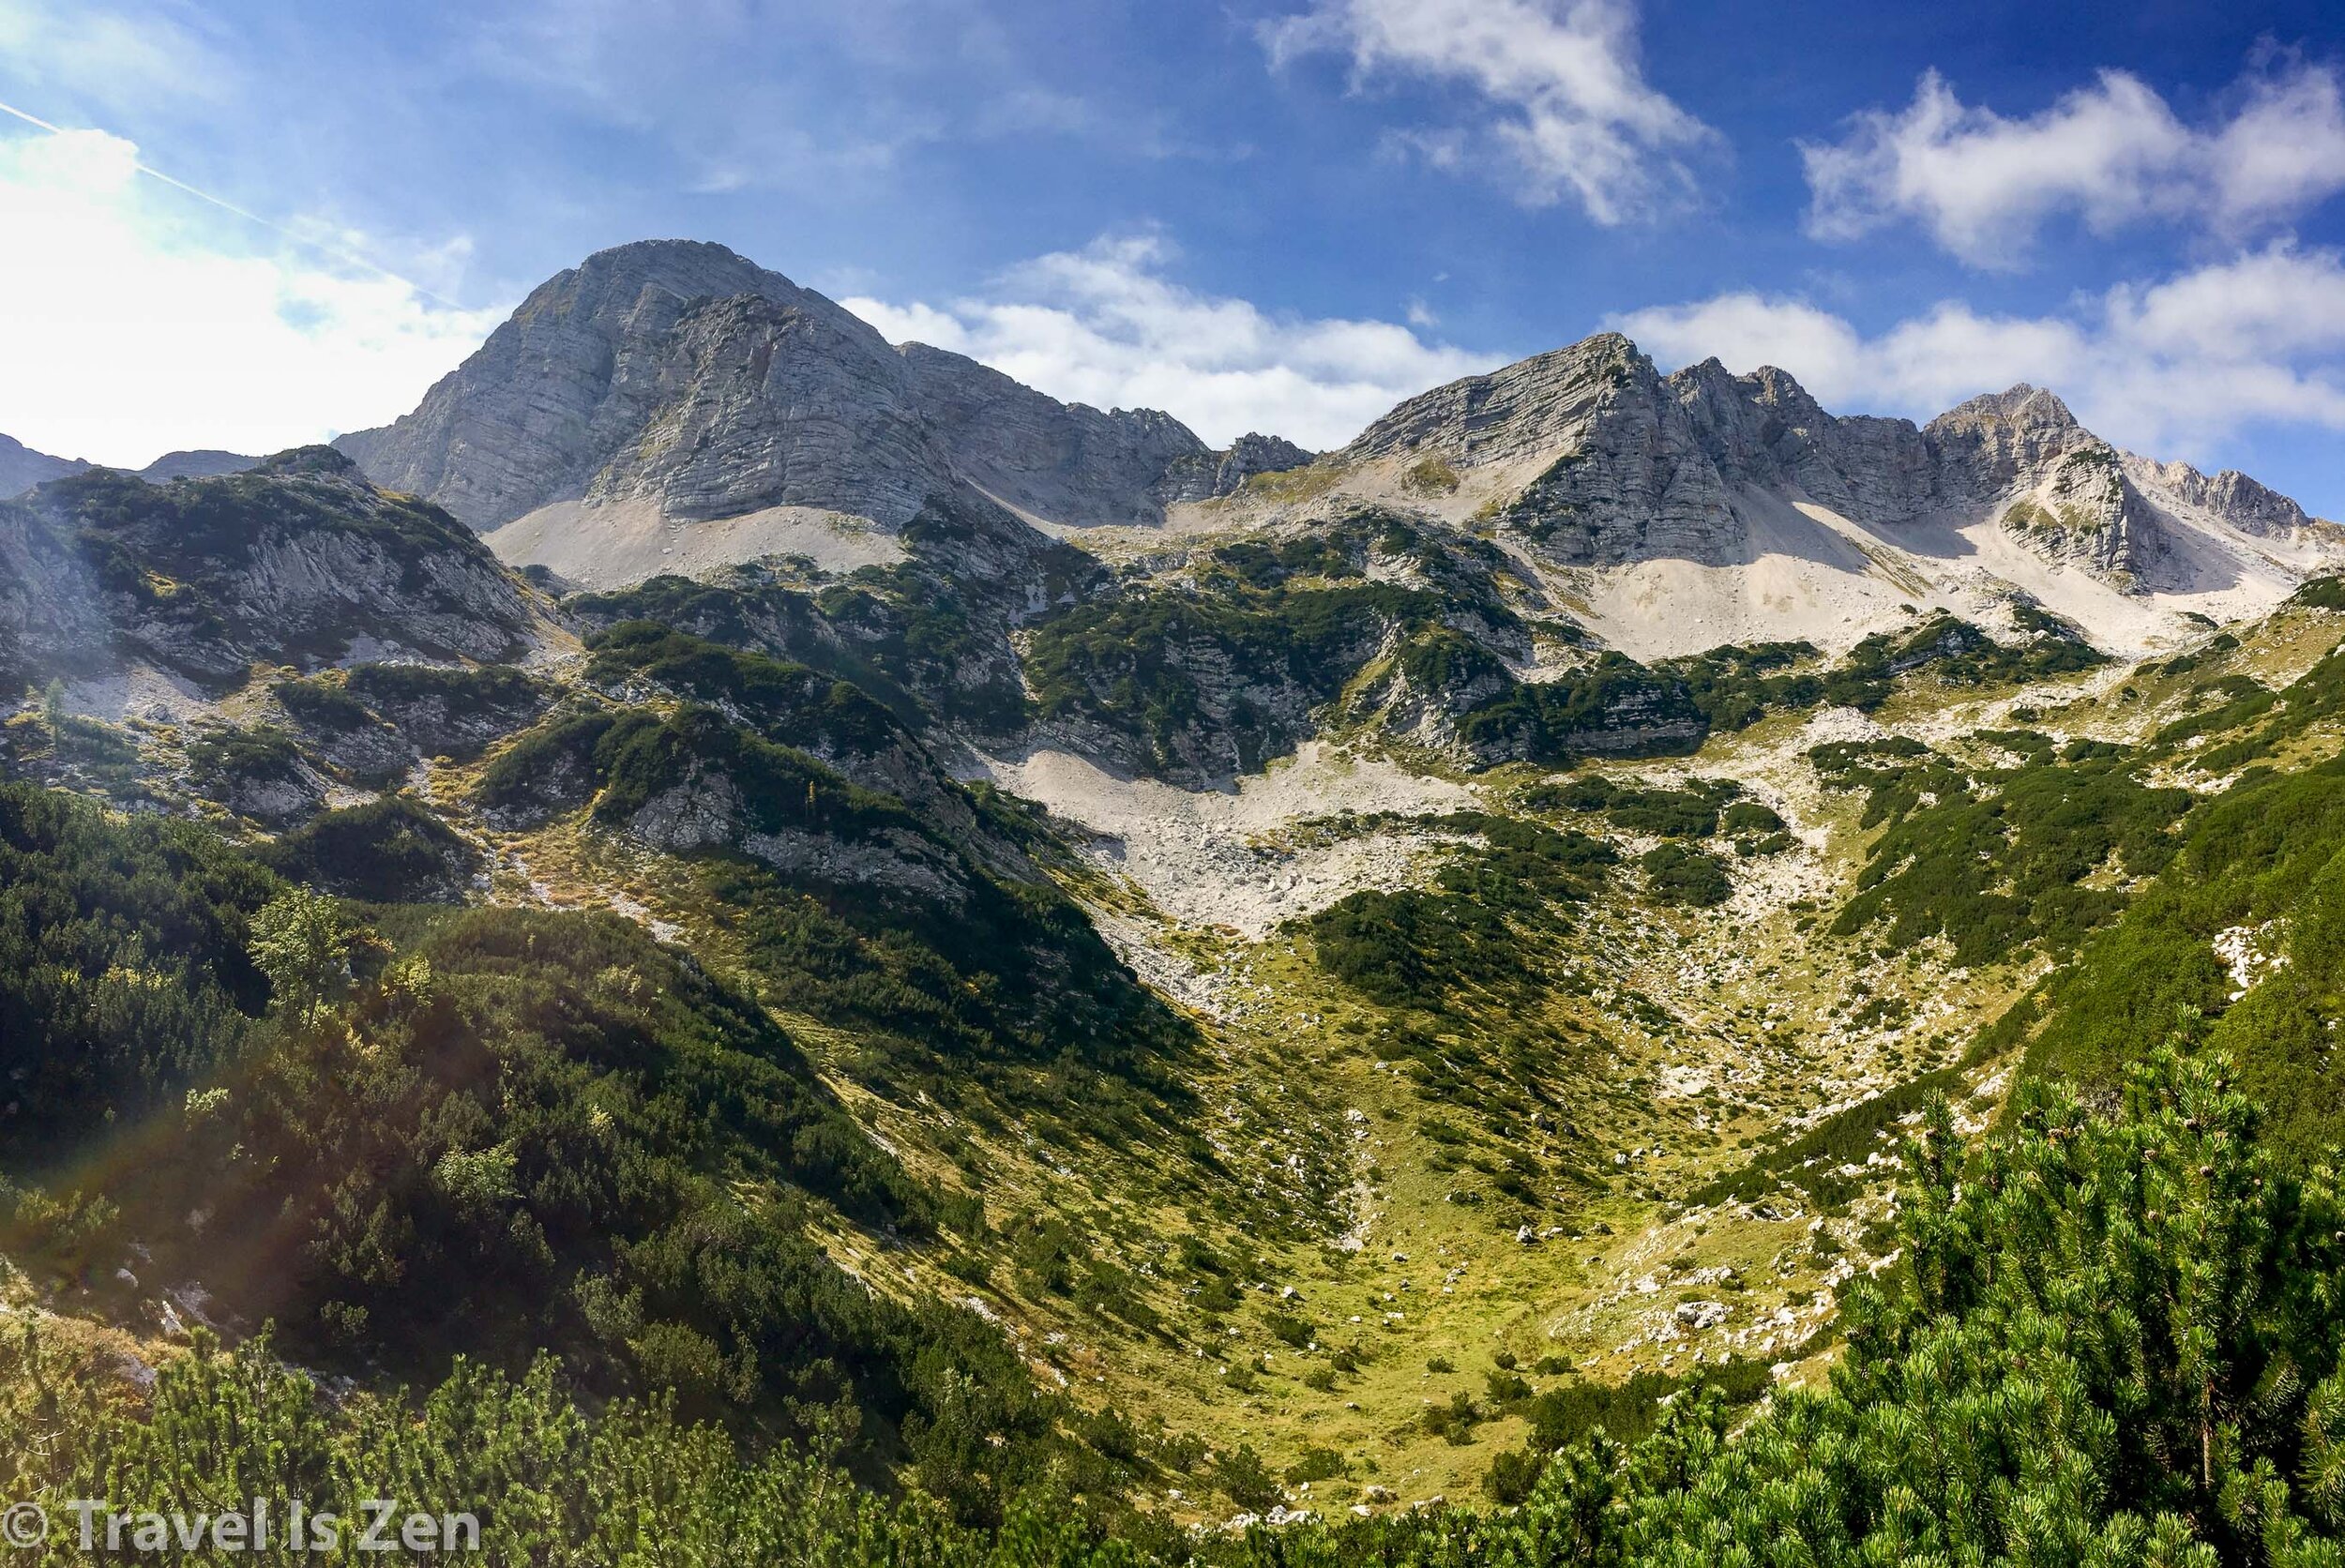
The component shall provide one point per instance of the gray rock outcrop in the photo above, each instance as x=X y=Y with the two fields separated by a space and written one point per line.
x=1617 y=474
x=1203 y=476
x=2228 y=496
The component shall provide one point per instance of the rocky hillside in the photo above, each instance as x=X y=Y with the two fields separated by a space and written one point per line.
x=1752 y=512
x=297 y=561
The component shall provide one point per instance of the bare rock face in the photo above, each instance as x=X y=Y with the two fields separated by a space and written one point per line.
x=2081 y=511
x=1254 y=453
x=1618 y=473
x=1203 y=476
x=680 y=374
x=1063 y=462
x=1765 y=430
x=1993 y=444
x=747 y=403
x=544 y=403
x=1533 y=408
x=2061 y=490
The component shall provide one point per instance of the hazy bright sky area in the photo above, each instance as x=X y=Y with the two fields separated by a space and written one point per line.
x=255 y=224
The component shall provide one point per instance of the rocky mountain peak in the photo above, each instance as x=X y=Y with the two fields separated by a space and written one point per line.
x=2022 y=406
x=682 y=381
x=1533 y=407
x=612 y=283
x=2231 y=495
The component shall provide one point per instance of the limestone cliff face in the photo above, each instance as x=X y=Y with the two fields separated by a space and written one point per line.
x=2058 y=488
x=1205 y=475
x=1616 y=472
x=747 y=403
x=1533 y=408
x=682 y=375
x=1063 y=462
x=562 y=386
x=1765 y=430
x=1993 y=444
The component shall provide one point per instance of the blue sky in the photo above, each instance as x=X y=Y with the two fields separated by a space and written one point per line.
x=1280 y=214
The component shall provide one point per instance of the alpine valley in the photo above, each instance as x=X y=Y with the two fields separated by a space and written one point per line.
x=727 y=878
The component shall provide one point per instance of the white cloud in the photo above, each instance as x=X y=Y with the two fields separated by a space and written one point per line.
x=2109 y=155
x=136 y=319
x=1103 y=325
x=2174 y=367
x=1573 y=115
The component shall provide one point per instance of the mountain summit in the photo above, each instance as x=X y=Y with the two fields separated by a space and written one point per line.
x=668 y=383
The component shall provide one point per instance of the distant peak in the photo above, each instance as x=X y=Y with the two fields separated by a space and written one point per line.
x=1768 y=384
x=612 y=278
x=2021 y=402
x=639 y=251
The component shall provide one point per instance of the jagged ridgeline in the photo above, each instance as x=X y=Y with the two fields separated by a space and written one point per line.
x=835 y=950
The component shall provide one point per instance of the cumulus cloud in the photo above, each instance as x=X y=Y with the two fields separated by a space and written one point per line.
x=1103 y=325
x=2111 y=155
x=1570 y=112
x=141 y=321
x=2172 y=367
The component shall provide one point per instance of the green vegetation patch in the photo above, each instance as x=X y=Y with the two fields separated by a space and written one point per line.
x=123 y=968
x=2003 y=863
x=2265 y=860
x=1419 y=946
x=789 y=702
x=388 y=851
x=1813 y=1161
x=1151 y=668
x=1675 y=874
x=2171 y=1339
x=1615 y=707
x=1696 y=811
